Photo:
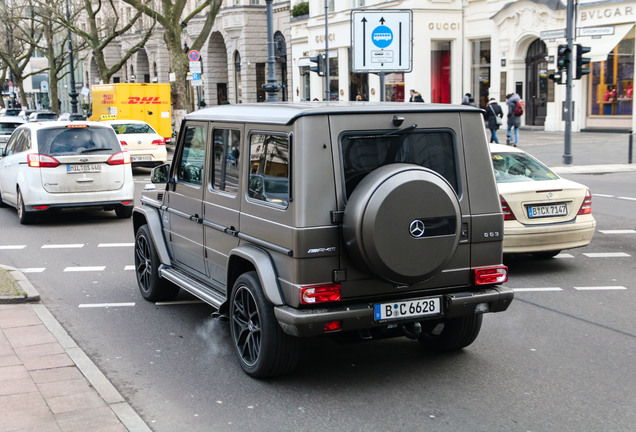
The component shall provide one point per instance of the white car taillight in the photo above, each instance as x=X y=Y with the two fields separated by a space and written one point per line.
x=41 y=161
x=159 y=142
x=505 y=208
x=120 y=158
x=586 y=207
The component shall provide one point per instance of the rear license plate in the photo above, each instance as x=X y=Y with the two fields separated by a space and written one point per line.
x=84 y=168
x=408 y=309
x=141 y=158
x=547 y=210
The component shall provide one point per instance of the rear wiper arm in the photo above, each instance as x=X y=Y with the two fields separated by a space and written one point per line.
x=90 y=150
x=397 y=131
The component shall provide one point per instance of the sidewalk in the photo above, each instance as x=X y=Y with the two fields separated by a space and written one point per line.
x=47 y=383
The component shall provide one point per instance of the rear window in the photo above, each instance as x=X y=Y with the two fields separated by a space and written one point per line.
x=46 y=116
x=77 y=140
x=8 y=128
x=519 y=167
x=131 y=128
x=363 y=152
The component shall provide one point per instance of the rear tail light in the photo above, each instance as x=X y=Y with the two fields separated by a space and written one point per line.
x=127 y=203
x=313 y=294
x=40 y=207
x=120 y=158
x=586 y=207
x=161 y=141
x=331 y=326
x=41 y=161
x=123 y=143
x=491 y=275
x=505 y=208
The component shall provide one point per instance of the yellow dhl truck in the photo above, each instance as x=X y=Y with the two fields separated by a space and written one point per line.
x=134 y=101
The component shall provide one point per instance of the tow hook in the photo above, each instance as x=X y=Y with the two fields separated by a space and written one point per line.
x=412 y=330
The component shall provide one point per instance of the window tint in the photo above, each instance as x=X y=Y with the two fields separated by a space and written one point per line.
x=193 y=157
x=519 y=167
x=269 y=169
x=132 y=128
x=227 y=157
x=364 y=152
x=8 y=128
x=65 y=141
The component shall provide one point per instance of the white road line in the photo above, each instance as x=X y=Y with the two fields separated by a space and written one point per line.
x=603 y=195
x=606 y=255
x=129 y=267
x=179 y=302
x=63 y=246
x=8 y=247
x=84 y=269
x=109 y=245
x=627 y=198
x=33 y=269
x=106 y=305
x=564 y=255
x=545 y=289
x=626 y=231
x=600 y=288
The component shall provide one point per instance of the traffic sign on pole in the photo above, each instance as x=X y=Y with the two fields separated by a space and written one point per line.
x=381 y=40
x=194 y=55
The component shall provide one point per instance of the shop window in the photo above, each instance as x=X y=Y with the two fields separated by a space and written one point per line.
x=612 y=81
x=260 y=82
x=480 y=71
x=394 y=87
x=334 y=86
x=440 y=72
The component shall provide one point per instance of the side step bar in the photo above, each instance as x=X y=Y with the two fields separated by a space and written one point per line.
x=210 y=296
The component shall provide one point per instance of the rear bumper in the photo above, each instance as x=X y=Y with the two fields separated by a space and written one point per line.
x=542 y=238
x=93 y=204
x=310 y=322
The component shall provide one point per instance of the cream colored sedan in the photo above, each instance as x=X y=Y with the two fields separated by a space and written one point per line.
x=146 y=147
x=543 y=213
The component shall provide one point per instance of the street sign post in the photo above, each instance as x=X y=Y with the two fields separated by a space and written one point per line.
x=194 y=55
x=381 y=40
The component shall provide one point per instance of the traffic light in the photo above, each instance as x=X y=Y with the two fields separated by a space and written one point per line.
x=320 y=64
x=581 y=61
x=563 y=58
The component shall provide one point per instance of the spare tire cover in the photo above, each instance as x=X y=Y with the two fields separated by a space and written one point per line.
x=402 y=223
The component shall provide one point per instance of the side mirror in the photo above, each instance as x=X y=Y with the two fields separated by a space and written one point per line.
x=160 y=174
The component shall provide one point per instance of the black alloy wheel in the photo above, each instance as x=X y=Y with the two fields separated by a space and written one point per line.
x=457 y=333
x=24 y=216
x=151 y=286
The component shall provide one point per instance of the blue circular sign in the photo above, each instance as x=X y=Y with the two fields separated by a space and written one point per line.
x=382 y=36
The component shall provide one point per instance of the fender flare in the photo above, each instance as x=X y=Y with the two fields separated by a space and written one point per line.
x=262 y=262
x=151 y=217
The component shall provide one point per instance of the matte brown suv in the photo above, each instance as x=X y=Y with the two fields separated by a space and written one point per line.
x=301 y=220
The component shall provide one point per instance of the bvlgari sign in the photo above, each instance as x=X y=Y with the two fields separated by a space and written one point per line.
x=606 y=15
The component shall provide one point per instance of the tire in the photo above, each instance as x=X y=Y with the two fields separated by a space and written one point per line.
x=2 y=203
x=402 y=223
x=547 y=254
x=124 y=212
x=25 y=217
x=457 y=333
x=152 y=287
x=263 y=349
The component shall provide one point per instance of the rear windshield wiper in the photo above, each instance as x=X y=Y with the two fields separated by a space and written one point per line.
x=393 y=132
x=95 y=149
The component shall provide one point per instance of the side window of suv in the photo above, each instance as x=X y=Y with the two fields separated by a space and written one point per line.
x=190 y=168
x=227 y=157
x=269 y=169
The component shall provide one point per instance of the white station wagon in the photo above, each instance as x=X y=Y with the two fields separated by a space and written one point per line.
x=56 y=165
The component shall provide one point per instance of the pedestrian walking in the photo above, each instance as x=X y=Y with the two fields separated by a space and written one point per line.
x=494 y=118
x=468 y=100
x=515 y=111
x=415 y=96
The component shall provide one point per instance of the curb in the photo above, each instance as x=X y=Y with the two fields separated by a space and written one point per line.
x=594 y=169
x=109 y=394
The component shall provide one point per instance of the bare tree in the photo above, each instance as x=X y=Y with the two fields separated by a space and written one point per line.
x=172 y=17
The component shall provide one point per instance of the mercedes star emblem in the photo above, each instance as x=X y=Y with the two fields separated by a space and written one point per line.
x=416 y=228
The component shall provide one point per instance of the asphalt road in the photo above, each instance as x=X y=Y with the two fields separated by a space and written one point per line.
x=561 y=358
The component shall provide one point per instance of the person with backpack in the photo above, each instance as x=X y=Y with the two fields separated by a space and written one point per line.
x=515 y=110
x=494 y=118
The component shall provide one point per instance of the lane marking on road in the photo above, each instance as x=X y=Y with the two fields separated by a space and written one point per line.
x=543 y=289
x=600 y=288
x=84 y=269
x=63 y=246
x=606 y=255
x=106 y=305
x=33 y=269
x=618 y=231
x=129 y=267
x=178 y=302
x=9 y=247
x=603 y=195
x=110 y=245
x=627 y=198
x=564 y=255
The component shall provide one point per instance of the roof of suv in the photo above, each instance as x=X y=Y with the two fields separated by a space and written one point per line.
x=284 y=113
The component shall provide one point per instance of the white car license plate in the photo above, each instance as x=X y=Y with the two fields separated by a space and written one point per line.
x=84 y=168
x=408 y=309
x=547 y=210
x=141 y=158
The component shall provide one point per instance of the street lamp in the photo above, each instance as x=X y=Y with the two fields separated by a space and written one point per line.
x=73 y=93
x=272 y=87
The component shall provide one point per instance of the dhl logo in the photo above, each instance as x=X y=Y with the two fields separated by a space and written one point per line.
x=134 y=100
